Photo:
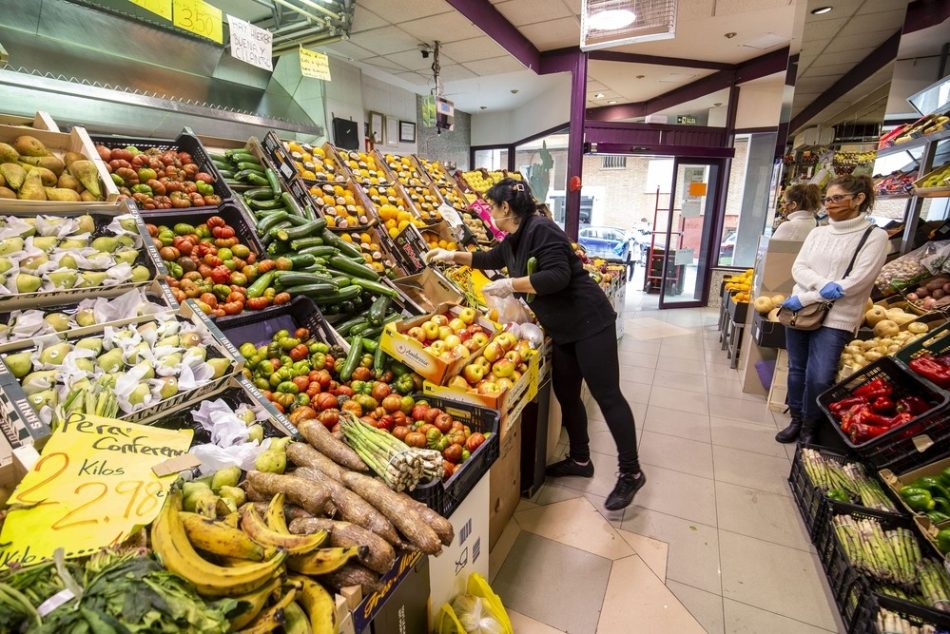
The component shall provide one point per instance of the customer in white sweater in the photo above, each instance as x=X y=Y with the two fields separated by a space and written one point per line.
x=799 y=206
x=819 y=276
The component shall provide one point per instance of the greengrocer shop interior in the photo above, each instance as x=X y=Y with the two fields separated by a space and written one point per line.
x=741 y=84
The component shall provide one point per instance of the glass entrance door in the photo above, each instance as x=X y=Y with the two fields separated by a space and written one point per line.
x=690 y=222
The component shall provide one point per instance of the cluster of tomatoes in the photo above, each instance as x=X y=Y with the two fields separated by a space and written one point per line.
x=157 y=179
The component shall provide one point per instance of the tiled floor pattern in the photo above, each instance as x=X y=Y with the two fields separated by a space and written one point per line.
x=712 y=543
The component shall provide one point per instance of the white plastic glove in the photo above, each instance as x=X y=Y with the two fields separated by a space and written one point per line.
x=499 y=288
x=439 y=255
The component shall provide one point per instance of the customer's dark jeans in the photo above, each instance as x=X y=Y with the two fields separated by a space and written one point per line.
x=594 y=359
x=812 y=365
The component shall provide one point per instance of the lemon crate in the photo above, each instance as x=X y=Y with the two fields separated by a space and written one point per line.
x=445 y=497
x=42 y=298
x=902 y=446
x=22 y=425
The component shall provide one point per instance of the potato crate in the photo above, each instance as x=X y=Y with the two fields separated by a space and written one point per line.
x=935 y=343
x=105 y=225
x=902 y=446
x=445 y=497
x=186 y=142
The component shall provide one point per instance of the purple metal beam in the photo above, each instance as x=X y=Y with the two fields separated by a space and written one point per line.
x=682 y=151
x=559 y=61
x=654 y=134
x=762 y=66
x=487 y=18
x=922 y=14
x=883 y=54
x=732 y=110
x=575 y=144
x=638 y=58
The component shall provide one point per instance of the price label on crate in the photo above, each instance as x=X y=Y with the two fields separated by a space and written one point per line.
x=200 y=18
x=251 y=44
x=90 y=488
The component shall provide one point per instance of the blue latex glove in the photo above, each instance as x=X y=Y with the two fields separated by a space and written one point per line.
x=831 y=290
x=792 y=303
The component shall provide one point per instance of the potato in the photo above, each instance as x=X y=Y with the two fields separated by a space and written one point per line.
x=938 y=293
x=922 y=292
x=873 y=355
x=917 y=328
x=886 y=328
x=876 y=314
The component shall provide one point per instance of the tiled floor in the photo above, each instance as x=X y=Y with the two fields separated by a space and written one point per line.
x=712 y=543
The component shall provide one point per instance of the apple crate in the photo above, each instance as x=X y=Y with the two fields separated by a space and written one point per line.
x=186 y=142
x=40 y=298
x=443 y=497
x=21 y=423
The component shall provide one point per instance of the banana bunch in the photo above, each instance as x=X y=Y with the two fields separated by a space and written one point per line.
x=247 y=555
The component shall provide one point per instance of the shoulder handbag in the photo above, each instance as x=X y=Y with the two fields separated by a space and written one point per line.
x=812 y=317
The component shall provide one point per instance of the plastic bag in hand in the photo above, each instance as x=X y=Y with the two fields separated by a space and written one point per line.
x=510 y=309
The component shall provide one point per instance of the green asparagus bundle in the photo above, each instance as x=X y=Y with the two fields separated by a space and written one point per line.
x=893 y=623
x=889 y=556
x=400 y=466
x=934 y=584
x=845 y=482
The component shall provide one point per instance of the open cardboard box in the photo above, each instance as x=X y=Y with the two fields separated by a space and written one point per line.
x=410 y=351
x=929 y=530
x=896 y=482
x=428 y=289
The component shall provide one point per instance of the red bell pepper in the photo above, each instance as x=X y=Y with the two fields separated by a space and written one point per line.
x=914 y=405
x=847 y=403
x=930 y=369
x=863 y=433
x=878 y=386
x=883 y=405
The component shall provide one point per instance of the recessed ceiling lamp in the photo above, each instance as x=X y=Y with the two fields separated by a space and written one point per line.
x=598 y=95
x=821 y=10
x=612 y=19
x=483 y=107
x=730 y=35
x=611 y=102
x=640 y=76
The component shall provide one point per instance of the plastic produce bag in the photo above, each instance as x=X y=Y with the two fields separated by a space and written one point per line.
x=909 y=269
x=509 y=308
x=478 y=611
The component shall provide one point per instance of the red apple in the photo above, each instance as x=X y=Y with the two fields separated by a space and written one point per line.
x=431 y=330
x=505 y=384
x=467 y=315
x=474 y=373
x=416 y=333
x=502 y=368
x=489 y=388
x=458 y=382
x=480 y=338
x=457 y=325
x=513 y=356
x=439 y=320
x=493 y=351
x=483 y=361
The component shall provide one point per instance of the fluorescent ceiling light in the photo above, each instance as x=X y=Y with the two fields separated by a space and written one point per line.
x=612 y=19
x=598 y=95
x=820 y=10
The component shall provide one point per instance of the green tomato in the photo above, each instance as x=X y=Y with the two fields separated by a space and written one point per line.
x=247 y=350
x=225 y=253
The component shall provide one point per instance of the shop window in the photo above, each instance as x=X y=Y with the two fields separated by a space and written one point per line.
x=491 y=159
x=747 y=202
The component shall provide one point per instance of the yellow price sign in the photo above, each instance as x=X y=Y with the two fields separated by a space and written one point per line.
x=92 y=486
x=158 y=7
x=314 y=64
x=200 y=18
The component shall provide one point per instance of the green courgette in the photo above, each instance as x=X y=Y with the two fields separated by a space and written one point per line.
x=299 y=278
x=310 y=228
x=315 y=291
x=271 y=221
x=532 y=267
x=257 y=204
x=377 y=312
x=374 y=287
x=346 y=293
x=316 y=250
x=344 y=328
x=352 y=358
x=345 y=247
x=349 y=267
x=259 y=193
x=302 y=260
x=261 y=284
x=253 y=166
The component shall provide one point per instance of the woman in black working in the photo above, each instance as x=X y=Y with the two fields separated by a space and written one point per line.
x=576 y=314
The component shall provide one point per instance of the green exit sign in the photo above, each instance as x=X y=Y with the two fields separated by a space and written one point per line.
x=686 y=119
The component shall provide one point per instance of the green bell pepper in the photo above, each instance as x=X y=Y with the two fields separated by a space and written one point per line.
x=943 y=540
x=937 y=517
x=942 y=504
x=838 y=495
x=918 y=500
x=933 y=485
x=944 y=477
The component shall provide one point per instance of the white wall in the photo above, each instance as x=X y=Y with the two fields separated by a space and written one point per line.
x=759 y=105
x=910 y=77
x=492 y=128
x=344 y=96
x=391 y=101
x=547 y=110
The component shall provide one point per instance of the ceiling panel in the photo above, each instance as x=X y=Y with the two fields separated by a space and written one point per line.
x=495 y=65
x=350 y=50
x=446 y=27
x=694 y=10
x=413 y=60
x=364 y=20
x=823 y=30
x=384 y=62
x=815 y=84
x=573 y=5
x=396 y=11
x=830 y=70
x=554 y=34
x=871 y=6
x=522 y=12
x=841 y=9
x=891 y=20
x=482 y=47
x=454 y=72
x=386 y=40
x=730 y=7
x=865 y=42
x=413 y=78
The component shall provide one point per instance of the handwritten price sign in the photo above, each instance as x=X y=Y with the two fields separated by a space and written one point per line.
x=90 y=488
x=200 y=18
x=158 y=7
x=251 y=44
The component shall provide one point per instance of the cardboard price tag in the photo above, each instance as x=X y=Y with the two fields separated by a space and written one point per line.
x=251 y=44
x=90 y=488
x=158 y=7
x=200 y=18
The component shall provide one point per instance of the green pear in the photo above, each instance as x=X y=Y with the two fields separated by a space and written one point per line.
x=86 y=317
x=126 y=241
x=90 y=343
x=33 y=262
x=220 y=366
x=45 y=243
x=38 y=381
x=190 y=339
x=146 y=368
x=63 y=279
x=30 y=229
x=248 y=416
x=128 y=223
x=141 y=274
x=20 y=363
x=104 y=244
x=147 y=328
x=255 y=433
x=55 y=354
x=279 y=443
x=169 y=387
x=171 y=361
x=196 y=354
x=190 y=489
x=139 y=394
x=73 y=244
x=125 y=256
x=68 y=262
x=87 y=224
x=227 y=477
x=111 y=361
x=57 y=321
x=5 y=264
x=172 y=341
x=233 y=494
x=10 y=245
x=26 y=283
x=89 y=279
x=271 y=461
x=86 y=365
x=45 y=397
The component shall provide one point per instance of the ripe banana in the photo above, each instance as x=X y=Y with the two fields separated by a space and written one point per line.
x=257 y=601
x=218 y=538
x=170 y=543
x=231 y=519
x=295 y=620
x=275 y=515
x=325 y=560
x=253 y=524
x=273 y=617
x=319 y=605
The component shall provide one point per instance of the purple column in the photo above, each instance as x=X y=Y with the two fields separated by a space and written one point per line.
x=575 y=144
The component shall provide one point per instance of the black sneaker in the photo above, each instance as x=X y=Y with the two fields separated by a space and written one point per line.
x=568 y=467
x=622 y=495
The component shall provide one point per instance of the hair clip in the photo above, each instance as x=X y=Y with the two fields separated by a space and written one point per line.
x=518 y=187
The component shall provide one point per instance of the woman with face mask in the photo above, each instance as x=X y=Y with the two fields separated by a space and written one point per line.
x=578 y=317
x=799 y=206
x=819 y=274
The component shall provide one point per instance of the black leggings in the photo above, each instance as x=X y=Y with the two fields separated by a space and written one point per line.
x=594 y=360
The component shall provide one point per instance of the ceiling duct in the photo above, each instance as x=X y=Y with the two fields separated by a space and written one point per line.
x=609 y=23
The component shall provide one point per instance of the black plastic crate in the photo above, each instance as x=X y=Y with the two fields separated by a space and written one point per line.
x=768 y=334
x=896 y=448
x=738 y=311
x=865 y=621
x=258 y=327
x=186 y=142
x=445 y=497
x=936 y=343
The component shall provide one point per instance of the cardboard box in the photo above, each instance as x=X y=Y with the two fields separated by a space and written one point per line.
x=448 y=573
x=14 y=463
x=895 y=482
x=504 y=484
x=408 y=249
x=403 y=597
x=774 y=272
x=428 y=289
x=555 y=425
x=408 y=350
